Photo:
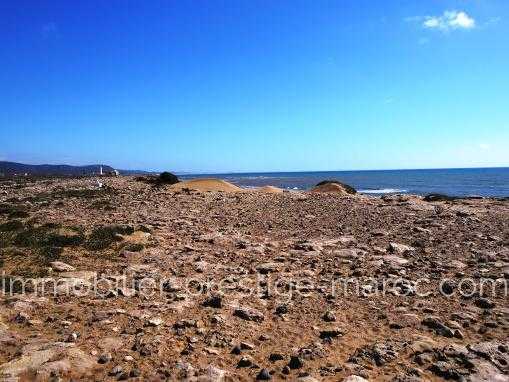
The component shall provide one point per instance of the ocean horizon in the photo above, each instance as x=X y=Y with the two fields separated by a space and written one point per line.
x=485 y=182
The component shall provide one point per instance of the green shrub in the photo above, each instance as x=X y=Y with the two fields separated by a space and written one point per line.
x=168 y=178
x=48 y=254
x=103 y=236
x=13 y=211
x=48 y=235
x=12 y=225
x=83 y=193
x=134 y=247
x=20 y=214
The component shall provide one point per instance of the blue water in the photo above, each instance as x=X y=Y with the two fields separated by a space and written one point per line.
x=455 y=182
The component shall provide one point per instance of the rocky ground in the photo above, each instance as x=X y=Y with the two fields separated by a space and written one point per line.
x=158 y=284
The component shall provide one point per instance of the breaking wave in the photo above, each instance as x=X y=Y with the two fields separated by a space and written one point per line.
x=383 y=191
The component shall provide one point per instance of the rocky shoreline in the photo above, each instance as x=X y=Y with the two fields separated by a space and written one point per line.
x=162 y=283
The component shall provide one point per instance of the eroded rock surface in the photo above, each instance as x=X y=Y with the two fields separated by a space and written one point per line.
x=160 y=283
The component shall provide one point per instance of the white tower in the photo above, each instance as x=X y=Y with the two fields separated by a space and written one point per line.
x=100 y=170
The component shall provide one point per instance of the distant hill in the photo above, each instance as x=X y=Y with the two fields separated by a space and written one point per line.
x=137 y=172
x=12 y=168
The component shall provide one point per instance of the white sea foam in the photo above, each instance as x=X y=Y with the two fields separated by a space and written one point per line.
x=383 y=191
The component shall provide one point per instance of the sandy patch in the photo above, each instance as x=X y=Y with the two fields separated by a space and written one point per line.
x=207 y=184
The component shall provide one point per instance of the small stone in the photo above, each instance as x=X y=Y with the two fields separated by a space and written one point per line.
x=329 y=316
x=263 y=375
x=135 y=373
x=217 y=319
x=249 y=314
x=211 y=351
x=245 y=362
x=21 y=318
x=276 y=357
x=236 y=350
x=484 y=303
x=105 y=358
x=422 y=346
x=246 y=346
x=295 y=363
x=266 y=268
x=423 y=359
x=439 y=328
x=116 y=370
x=355 y=378
x=447 y=288
x=72 y=337
x=305 y=377
x=400 y=249
x=112 y=294
x=59 y=266
x=281 y=309
x=126 y=292
x=214 y=302
x=331 y=333
x=155 y=321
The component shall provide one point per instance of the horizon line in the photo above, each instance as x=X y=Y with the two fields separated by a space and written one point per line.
x=319 y=171
x=186 y=172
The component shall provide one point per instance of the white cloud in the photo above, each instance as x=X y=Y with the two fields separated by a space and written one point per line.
x=449 y=20
x=432 y=22
x=484 y=146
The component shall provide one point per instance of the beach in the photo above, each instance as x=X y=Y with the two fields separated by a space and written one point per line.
x=170 y=282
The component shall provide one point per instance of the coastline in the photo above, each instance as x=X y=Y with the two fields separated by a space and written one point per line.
x=492 y=182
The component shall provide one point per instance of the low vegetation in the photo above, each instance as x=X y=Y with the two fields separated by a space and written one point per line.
x=11 y=225
x=168 y=178
x=165 y=178
x=13 y=211
x=104 y=236
x=48 y=235
x=134 y=247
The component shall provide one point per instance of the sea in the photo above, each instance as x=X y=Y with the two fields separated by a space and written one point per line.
x=485 y=182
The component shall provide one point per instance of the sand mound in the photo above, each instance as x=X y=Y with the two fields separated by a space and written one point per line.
x=330 y=188
x=334 y=186
x=269 y=190
x=206 y=184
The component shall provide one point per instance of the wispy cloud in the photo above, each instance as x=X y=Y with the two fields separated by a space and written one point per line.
x=449 y=20
x=484 y=146
x=493 y=21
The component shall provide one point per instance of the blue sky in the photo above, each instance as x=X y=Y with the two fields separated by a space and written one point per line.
x=219 y=86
